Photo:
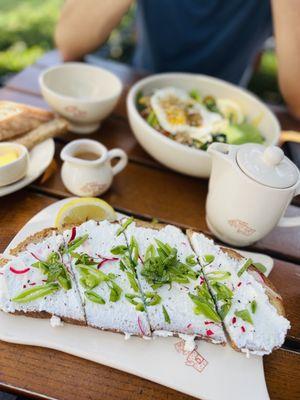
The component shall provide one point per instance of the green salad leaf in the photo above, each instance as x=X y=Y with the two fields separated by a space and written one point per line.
x=242 y=133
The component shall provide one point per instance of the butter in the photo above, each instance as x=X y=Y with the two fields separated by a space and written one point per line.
x=8 y=156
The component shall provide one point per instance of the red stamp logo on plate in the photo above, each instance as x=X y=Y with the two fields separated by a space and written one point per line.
x=193 y=359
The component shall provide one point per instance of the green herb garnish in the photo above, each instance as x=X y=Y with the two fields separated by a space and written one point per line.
x=216 y=276
x=118 y=250
x=136 y=300
x=36 y=292
x=115 y=291
x=94 y=297
x=194 y=94
x=166 y=315
x=204 y=303
x=245 y=315
x=76 y=243
x=133 y=283
x=91 y=277
x=55 y=270
x=208 y=259
x=260 y=267
x=190 y=260
x=152 y=298
x=245 y=267
x=222 y=294
x=124 y=226
x=253 y=306
x=162 y=266
x=152 y=119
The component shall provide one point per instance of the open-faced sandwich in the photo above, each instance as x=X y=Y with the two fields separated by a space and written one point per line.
x=143 y=279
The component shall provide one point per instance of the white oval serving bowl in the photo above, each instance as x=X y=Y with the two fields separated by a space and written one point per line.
x=82 y=93
x=177 y=156
x=15 y=170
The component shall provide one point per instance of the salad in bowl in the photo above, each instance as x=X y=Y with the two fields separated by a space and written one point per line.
x=176 y=116
x=195 y=120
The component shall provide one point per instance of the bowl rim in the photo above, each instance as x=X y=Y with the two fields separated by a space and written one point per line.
x=131 y=106
x=78 y=64
x=23 y=154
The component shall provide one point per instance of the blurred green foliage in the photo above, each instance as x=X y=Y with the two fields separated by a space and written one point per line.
x=26 y=30
x=264 y=81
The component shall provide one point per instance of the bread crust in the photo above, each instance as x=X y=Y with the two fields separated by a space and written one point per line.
x=274 y=297
x=272 y=293
x=22 y=121
x=35 y=238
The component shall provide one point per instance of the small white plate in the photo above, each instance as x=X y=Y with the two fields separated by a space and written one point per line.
x=210 y=372
x=40 y=158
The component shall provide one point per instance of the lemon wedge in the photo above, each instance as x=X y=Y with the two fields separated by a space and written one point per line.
x=79 y=210
x=231 y=110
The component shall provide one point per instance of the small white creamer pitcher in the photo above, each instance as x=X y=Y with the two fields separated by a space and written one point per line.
x=250 y=188
x=86 y=176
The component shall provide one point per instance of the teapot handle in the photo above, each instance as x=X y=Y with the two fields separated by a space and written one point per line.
x=123 y=160
x=290 y=221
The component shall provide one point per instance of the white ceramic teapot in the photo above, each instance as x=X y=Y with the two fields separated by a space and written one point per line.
x=250 y=188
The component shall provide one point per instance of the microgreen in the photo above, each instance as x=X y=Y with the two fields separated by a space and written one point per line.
x=76 y=243
x=94 y=297
x=260 y=267
x=124 y=226
x=245 y=267
x=162 y=266
x=253 y=306
x=55 y=270
x=204 y=303
x=166 y=315
x=245 y=315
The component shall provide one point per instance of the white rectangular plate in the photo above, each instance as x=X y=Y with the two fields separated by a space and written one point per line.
x=209 y=372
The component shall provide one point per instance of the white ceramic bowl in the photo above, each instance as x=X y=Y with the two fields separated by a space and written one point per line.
x=82 y=93
x=15 y=170
x=179 y=157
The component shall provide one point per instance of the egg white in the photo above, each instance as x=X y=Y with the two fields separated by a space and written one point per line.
x=211 y=122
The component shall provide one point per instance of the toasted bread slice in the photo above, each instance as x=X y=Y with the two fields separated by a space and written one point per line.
x=18 y=274
x=17 y=119
x=116 y=315
x=174 y=315
x=249 y=305
x=51 y=129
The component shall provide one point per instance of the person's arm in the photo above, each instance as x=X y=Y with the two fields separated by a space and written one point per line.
x=85 y=25
x=286 y=17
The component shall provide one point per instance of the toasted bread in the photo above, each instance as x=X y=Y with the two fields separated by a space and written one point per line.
x=57 y=304
x=174 y=298
x=268 y=327
x=17 y=119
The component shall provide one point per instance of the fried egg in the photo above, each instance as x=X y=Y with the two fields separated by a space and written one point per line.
x=177 y=113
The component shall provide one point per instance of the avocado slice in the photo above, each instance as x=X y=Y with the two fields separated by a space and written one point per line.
x=243 y=133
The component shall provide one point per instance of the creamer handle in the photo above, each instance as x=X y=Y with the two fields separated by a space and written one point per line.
x=290 y=221
x=123 y=160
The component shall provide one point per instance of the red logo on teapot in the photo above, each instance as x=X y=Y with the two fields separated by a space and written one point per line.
x=241 y=227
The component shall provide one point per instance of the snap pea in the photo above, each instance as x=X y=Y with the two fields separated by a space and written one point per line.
x=245 y=315
x=245 y=267
x=76 y=243
x=94 y=297
x=36 y=292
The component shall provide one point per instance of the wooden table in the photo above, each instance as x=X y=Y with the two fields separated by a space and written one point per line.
x=145 y=189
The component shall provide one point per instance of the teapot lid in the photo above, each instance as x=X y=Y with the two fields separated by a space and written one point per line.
x=267 y=165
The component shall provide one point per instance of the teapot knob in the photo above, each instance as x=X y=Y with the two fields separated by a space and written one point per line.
x=273 y=155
